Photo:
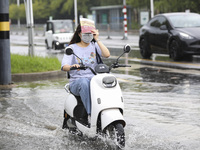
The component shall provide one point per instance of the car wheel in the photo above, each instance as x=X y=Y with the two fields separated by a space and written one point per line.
x=174 y=50
x=54 y=46
x=145 y=49
x=46 y=44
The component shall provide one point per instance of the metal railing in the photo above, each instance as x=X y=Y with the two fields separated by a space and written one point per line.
x=39 y=29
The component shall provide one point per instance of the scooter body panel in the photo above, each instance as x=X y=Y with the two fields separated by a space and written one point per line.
x=111 y=115
x=91 y=132
x=70 y=104
x=104 y=98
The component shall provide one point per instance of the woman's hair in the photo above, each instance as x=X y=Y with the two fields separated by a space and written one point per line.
x=76 y=38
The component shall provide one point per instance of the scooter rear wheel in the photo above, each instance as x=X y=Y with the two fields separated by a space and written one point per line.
x=116 y=131
x=66 y=117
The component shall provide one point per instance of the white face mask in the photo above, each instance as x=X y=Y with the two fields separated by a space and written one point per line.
x=87 y=37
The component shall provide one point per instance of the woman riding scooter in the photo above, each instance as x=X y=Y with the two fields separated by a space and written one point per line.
x=87 y=46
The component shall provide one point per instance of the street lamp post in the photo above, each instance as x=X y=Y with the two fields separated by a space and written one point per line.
x=18 y=20
x=152 y=8
x=125 y=21
x=5 y=62
x=30 y=26
x=75 y=13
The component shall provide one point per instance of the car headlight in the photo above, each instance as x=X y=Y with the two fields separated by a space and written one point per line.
x=185 y=36
x=57 y=43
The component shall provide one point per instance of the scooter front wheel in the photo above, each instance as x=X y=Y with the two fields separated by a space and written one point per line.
x=115 y=132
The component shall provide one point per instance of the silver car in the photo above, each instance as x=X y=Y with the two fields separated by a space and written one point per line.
x=58 y=33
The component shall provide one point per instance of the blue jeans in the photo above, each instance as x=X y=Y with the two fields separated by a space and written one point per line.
x=81 y=87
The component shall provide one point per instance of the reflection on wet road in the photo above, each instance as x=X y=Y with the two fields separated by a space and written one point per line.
x=162 y=108
x=162 y=111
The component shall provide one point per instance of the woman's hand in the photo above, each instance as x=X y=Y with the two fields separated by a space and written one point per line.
x=95 y=34
x=104 y=49
x=67 y=67
x=76 y=66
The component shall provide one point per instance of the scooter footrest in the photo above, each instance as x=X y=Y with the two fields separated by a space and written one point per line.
x=75 y=131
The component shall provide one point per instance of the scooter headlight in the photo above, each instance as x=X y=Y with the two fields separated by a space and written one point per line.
x=109 y=82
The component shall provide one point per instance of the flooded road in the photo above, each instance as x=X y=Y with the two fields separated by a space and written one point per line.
x=162 y=111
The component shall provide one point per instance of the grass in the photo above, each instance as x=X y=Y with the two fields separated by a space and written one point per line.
x=27 y=64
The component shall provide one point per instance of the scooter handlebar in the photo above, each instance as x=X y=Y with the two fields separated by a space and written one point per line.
x=119 y=65
x=122 y=65
x=83 y=68
x=78 y=68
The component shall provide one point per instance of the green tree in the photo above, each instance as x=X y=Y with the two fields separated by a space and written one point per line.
x=14 y=11
x=22 y=13
x=110 y=2
x=60 y=9
x=83 y=6
x=161 y=6
x=13 y=1
x=41 y=9
x=56 y=7
x=139 y=3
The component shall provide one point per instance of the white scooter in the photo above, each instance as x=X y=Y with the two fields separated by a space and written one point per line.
x=107 y=105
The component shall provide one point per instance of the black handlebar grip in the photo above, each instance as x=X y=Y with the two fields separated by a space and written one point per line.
x=76 y=68
x=121 y=65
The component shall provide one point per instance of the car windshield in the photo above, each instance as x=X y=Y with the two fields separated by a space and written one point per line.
x=63 y=27
x=185 y=20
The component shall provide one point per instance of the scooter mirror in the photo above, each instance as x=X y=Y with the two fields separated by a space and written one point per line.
x=127 y=48
x=69 y=51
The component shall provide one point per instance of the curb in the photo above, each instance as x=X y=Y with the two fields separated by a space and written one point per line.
x=179 y=65
x=23 y=77
x=7 y=87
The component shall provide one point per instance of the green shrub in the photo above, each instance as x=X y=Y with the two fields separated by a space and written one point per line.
x=27 y=64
